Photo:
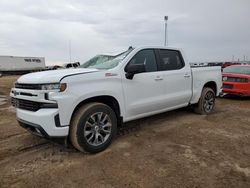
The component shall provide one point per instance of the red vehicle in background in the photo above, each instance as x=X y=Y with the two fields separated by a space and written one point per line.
x=226 y=64
x=236 y=80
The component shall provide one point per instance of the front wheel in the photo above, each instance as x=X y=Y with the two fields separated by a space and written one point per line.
x=206 y=102
x=93 y=127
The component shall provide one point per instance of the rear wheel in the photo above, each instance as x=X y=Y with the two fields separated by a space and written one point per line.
x=206 y=102
x=93 y=127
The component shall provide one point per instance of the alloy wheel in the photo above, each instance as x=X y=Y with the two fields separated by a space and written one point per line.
x=209 y=101
x=97 y=128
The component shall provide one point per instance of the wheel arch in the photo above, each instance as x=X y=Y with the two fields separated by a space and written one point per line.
x=212 y=85
x=110 y=101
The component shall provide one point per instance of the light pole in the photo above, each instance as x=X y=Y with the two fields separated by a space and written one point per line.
x=69 y=51
x=166 y=32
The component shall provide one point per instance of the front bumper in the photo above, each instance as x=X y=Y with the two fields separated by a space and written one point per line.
x=238 y=92
x=44 y=122
x=240 y=89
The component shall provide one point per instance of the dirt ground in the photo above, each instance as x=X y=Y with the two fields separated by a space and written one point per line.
x=174 y=149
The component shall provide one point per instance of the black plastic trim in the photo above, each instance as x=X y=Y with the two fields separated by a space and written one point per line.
x=32 y=86
x=48 y=105
x=30 y=127
x=76 y=74
x=57 y=120
x=28 y=94
x=46 y=96
x=158 y=59
x=31 y=105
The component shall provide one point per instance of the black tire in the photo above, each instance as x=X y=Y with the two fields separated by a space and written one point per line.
x=206 y=102
x=84 y=135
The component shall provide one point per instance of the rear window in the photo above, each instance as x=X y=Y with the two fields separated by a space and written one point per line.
x=171 y=59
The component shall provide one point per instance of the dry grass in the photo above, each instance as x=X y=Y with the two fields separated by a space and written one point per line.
x=6 y=84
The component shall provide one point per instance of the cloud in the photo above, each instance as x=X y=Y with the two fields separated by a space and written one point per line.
x=206 y=30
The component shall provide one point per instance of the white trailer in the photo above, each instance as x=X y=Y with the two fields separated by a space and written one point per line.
x=15 y=63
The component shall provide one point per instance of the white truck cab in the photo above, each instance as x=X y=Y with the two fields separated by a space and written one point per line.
x=87 y=104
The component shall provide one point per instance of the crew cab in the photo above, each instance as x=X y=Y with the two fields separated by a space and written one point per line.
x=86 y=105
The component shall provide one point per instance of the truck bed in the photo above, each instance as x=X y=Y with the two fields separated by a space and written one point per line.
x=201 y=75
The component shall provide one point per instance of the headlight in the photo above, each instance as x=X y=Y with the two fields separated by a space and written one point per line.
x=224 y=78
x=57 y=86
x=50 y=86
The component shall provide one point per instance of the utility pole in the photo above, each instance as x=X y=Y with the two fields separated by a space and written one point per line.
x=166 y=31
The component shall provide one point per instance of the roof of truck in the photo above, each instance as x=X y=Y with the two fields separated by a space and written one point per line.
x=161 y=47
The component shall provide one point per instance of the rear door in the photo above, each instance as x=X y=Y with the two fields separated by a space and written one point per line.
x=177 y=78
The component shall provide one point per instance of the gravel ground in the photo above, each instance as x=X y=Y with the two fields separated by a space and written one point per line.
x=174 y=149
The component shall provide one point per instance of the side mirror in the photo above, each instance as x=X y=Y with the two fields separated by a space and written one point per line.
x=132 y=69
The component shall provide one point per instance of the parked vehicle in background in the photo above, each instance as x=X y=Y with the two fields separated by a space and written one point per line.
x=88 y=104
x=236 y=80
x=54 y=67
x=227 y=64
x=72 y=65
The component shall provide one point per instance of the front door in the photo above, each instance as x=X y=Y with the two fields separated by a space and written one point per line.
x=145 y=93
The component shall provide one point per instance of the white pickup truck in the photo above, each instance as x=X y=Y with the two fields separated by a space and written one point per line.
x=86 y=105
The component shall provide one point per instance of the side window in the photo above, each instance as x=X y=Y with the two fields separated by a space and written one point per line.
x=146 y=57
x=171 y=60
x=68 y=65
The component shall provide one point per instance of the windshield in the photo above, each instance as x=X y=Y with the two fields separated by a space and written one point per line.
x=98 y=59
x=237 y=69
x=104 y=63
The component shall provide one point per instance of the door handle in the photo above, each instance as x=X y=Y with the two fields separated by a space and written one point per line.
x=158 y=78
x=186 y=75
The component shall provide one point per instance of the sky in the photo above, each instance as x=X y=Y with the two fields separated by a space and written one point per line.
x=207 y=30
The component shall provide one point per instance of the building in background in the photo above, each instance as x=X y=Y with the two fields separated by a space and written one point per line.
x=20 y=65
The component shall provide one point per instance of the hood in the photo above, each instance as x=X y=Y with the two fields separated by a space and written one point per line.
x=51 y=76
